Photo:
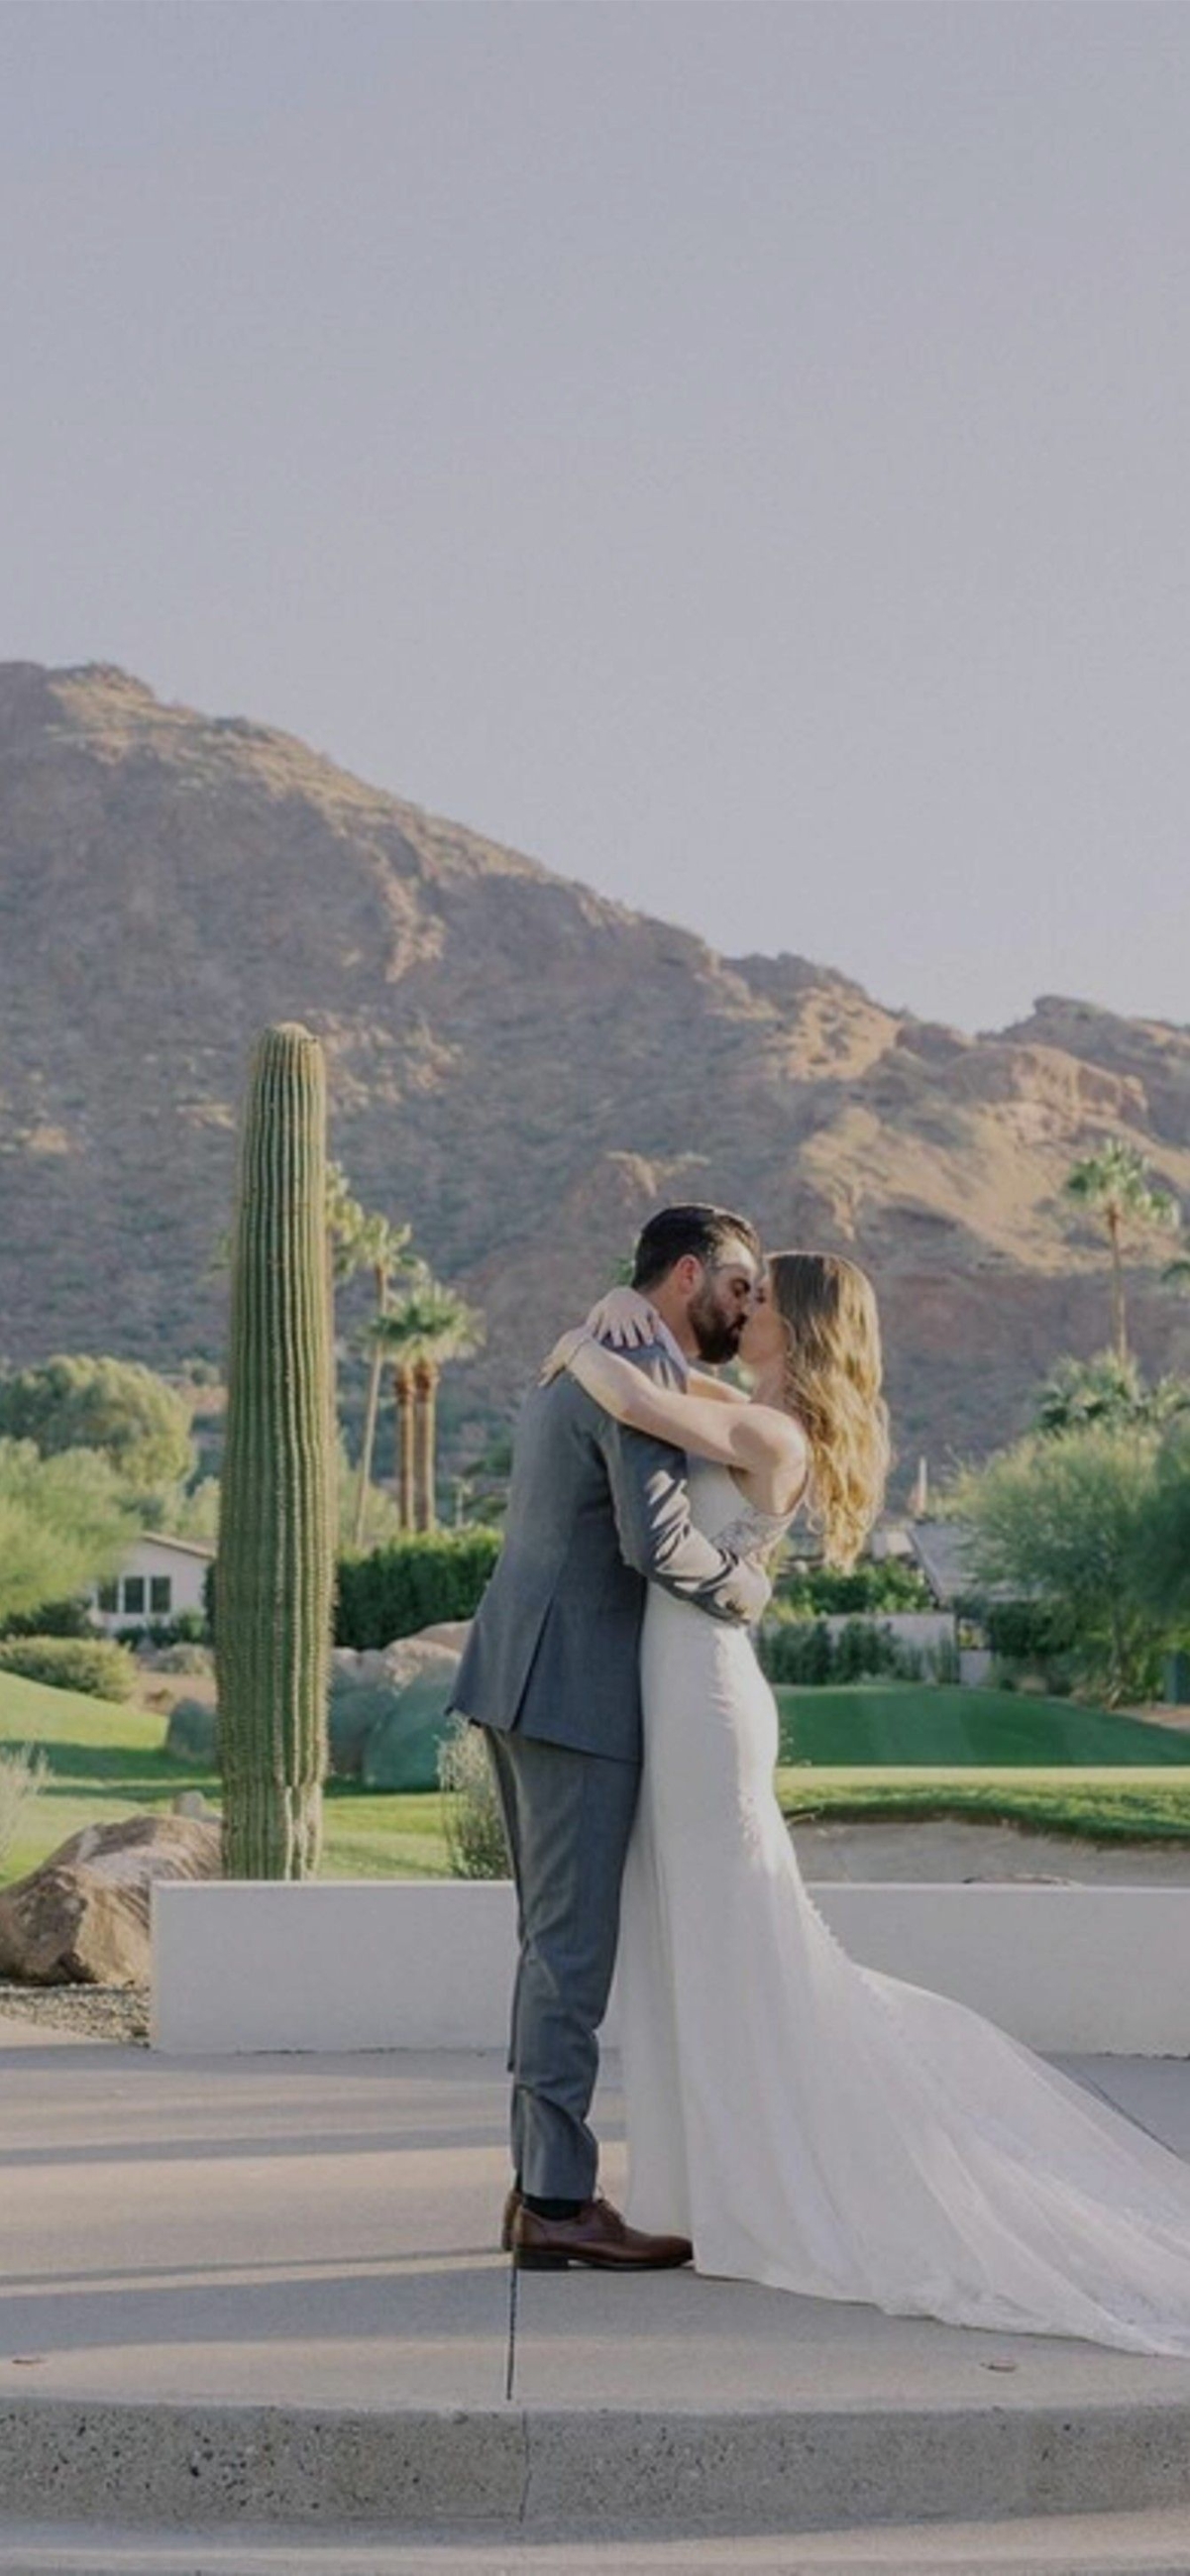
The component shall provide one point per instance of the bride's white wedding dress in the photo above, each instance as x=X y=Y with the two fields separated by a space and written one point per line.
x=822 y=2128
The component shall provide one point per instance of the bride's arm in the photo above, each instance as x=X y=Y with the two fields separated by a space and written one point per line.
x=715 y=1390
x=747 y=1436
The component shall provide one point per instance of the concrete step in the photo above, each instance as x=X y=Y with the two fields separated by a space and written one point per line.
x=815 y=2467
x=266 y=2288
x=1150 y=2544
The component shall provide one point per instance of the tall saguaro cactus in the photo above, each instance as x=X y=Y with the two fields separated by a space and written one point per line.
x=275 y=1573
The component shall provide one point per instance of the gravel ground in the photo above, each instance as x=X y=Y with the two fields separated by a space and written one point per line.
x=91 y=2012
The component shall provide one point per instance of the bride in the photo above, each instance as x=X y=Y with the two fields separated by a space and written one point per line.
x=807 y=2122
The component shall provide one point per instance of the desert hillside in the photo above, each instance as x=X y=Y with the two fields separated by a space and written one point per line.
x=520 y=1067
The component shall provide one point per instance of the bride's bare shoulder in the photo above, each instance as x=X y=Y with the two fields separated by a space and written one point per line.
x=773 y=1438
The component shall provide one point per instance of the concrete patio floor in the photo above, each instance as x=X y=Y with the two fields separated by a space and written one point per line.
x=264 y=2290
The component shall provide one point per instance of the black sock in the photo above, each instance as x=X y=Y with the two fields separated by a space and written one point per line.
x=552 y=2208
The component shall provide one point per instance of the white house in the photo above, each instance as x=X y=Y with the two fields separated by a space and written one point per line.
x=159 y=1577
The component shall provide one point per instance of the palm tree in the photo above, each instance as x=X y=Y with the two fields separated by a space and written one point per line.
x=395 y=1335
x=346 y=1224
x=383 y=1249
x=1108 y=1391
x=427 y=1328
x=1115 y=1183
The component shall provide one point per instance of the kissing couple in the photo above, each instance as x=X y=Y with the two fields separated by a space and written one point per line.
x=792 y=2117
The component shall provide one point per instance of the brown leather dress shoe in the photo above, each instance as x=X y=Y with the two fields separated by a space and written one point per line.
x=511 y=2206
x=598 y=2237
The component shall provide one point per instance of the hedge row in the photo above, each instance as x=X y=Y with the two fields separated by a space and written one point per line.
x=807 y=1651
x=1030 y=1631
x=807 y=1591
x=415 y=1583
x=95 y=1665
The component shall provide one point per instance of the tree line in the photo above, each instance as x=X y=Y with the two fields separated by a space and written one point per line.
x=1078 y=1534
x=95 y=1449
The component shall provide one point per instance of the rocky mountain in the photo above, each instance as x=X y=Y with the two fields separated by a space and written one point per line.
x=519 y=1066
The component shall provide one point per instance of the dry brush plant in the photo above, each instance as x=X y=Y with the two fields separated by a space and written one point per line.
x=472 y=1824
x=22 y=1774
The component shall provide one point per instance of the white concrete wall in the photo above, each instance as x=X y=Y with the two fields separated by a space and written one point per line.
x=351 y=1964
x=921 y=1629
x=154 y=1555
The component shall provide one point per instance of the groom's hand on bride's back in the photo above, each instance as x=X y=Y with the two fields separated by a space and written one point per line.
x=756 y=1581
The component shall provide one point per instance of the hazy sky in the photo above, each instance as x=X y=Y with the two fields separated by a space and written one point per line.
x=736 y=452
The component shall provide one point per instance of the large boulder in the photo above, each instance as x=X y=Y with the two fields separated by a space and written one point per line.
x=402 y=1748
x=351 y=1715
x=451 y=1633
x=367 y=1689
x=402 y=1662
x=82 y=1918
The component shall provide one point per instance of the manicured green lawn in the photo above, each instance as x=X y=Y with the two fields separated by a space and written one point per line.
x=394 y=1834
x=1136 y=1805
x=905 y=1752
x=873 y=1723
x=106 y=1762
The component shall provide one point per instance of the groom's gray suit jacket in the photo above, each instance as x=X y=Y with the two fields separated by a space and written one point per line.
x=595 y=1513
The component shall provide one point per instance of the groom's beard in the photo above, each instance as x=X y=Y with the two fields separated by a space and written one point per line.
x=718 y=1335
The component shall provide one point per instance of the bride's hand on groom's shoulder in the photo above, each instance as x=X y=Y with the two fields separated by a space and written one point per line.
x=562 y=1353
x=625 y=1319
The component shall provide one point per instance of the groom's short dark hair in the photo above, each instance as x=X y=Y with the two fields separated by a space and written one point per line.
x=707 y=1232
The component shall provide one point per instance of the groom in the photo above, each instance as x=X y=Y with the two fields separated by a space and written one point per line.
x=551 y=1672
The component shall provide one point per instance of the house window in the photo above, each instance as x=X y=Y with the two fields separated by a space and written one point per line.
x=108 y=1598
x=134 y=1596
x=161 y=1594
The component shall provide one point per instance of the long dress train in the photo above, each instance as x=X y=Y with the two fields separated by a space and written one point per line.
x=823 y=2128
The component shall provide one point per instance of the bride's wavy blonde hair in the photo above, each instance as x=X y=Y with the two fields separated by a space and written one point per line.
x=833 y=1372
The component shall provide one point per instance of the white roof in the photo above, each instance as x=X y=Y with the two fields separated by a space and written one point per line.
x=182 y=1546
x=939 y=1549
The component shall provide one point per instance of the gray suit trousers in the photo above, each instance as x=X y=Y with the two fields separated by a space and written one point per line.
x=568 y=1816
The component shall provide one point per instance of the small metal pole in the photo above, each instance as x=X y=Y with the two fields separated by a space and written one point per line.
x=510 y=2373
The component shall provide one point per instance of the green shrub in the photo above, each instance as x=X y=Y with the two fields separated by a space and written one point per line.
x=1066 y=1521
x=192 y=1734
x=415 y=1583
x=1030 y=1632
x=96 y=1665
x=187 y=1628
x=800 y=1650
x=1161 y=1563
x=891 y=1584
x=190 y=1628
x=184 y=1658
x=941 y=1662
x=118 y=1408
x=806 y=1653
x=53 y=1619
x=65 y=1523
